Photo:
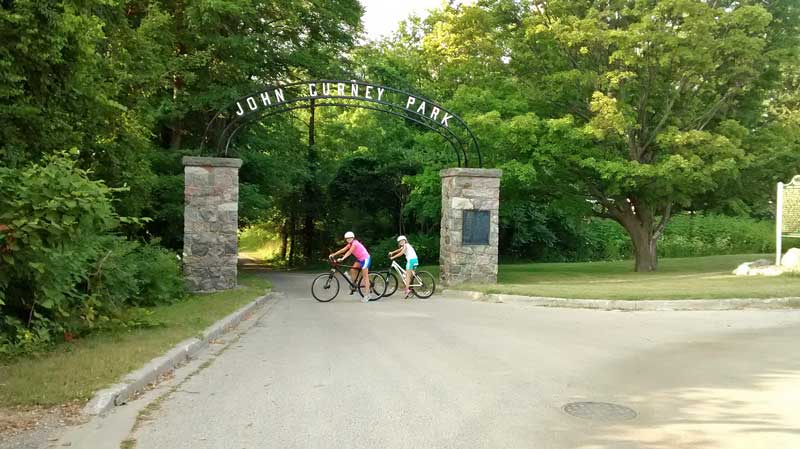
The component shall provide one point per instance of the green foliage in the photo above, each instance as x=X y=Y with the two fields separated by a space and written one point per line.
x=63 y=270
x=706 y=235
x=648 y=108
x=134 y=274
x=54 y=214
x=426 y=246
x=685 y=236
x=605 y=240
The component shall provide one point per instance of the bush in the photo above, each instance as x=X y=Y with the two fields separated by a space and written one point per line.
x=426 y=246
x=62 y=270
x=605 y=240
x=685 y=236
x=707 y=235
x=133 y=274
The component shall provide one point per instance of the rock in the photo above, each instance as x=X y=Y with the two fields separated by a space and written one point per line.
x=742 y=270
x=759 y=267
x=791 y=260
x=770 y=270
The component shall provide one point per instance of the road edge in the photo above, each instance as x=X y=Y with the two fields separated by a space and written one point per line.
x=137 y=381
x=630 y=305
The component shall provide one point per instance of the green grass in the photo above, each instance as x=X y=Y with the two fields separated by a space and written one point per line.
x=74 y=371
x=259 y=243
x=679 y=278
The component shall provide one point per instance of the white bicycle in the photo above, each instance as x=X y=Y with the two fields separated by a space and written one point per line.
x=422 y=285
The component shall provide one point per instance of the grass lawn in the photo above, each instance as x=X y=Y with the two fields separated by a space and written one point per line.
x=74 y=371
x=680 y=278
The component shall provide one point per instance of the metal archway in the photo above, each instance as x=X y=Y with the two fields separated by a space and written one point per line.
x=227 y=122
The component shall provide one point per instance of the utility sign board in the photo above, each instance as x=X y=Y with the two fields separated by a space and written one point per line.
x=787 y=213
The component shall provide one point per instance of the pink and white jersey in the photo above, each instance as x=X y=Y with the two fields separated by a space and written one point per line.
x=359 y=251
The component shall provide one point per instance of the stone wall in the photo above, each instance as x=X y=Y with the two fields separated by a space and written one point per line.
x=210 y=223
x=465 y=189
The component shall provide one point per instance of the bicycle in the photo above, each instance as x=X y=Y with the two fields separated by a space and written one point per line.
x=325 y=287
x=423 y=285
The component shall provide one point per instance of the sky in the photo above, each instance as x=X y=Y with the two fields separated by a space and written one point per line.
x=382 y=16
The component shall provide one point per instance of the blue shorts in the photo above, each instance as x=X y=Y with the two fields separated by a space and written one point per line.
x=366 y=263
x=412 y=264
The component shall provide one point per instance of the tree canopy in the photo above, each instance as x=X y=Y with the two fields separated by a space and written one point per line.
x=629 y=110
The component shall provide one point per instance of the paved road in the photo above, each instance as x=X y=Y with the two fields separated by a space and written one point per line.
x=459 y=374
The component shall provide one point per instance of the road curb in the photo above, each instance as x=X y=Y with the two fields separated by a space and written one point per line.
x=137 y=381
x=630 y=305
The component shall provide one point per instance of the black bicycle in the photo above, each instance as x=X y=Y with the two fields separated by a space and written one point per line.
x=326 y=286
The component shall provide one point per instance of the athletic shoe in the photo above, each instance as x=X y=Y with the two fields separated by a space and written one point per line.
x=366 y=298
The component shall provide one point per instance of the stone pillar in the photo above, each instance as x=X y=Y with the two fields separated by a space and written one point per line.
x=210 y=222
x=470 y=225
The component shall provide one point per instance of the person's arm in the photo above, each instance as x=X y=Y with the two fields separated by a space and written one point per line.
x=340 y=251
x=400 y=252
x=393 y=254
x=347 y=254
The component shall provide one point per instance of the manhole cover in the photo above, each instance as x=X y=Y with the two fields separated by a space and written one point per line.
x=600 y=411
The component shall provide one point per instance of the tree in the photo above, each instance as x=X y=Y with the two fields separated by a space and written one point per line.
x=646 y=106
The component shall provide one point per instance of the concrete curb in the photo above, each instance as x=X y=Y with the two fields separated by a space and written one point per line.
x=118 y=394
x=629 y=305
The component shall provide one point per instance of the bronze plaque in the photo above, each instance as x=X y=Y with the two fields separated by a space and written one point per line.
x=475 y=229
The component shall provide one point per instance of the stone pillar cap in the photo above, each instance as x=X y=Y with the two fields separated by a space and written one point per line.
x=197 y=161
x=471 y=172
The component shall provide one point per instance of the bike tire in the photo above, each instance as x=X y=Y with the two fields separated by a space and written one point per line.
x=325 y=287
x=377 y=286
x=391 y=282
x=428 y=286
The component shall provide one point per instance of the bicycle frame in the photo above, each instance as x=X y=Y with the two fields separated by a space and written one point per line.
x=337 y=267
x=414 y=282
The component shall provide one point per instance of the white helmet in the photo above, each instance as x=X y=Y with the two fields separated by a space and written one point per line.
x=402 y=237
x=349 y=235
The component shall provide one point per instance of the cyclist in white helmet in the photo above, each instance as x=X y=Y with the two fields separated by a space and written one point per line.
x=363 y=261
x=411 y=260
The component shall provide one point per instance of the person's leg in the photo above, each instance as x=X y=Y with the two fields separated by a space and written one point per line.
x=407 y=279
x=354 y=271
x=365 y=279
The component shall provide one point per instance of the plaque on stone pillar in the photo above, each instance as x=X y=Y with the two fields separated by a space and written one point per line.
x=475 y=229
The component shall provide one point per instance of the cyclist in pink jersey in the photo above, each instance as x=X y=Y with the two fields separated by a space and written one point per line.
x=363 y=261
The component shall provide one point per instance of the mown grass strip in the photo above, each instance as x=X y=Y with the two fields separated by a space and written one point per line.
x=678 y=278
x=74 y=371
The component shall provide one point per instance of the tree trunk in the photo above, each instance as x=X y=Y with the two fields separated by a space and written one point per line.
x=644 y=248
x=310 y=192
x=308 y=237
x=284 y=239
x=293 y=238
x=644 y=231
x=176 y=135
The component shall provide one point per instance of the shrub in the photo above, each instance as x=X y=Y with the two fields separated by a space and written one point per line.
x=426 y=246
x=604 y=240
x=686 y=236
x=62 y=270
x=705 y=235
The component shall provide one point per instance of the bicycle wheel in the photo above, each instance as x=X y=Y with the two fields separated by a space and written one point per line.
x=377 y=286
x=391 y=282
x=325 y=287
x=423 y=285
